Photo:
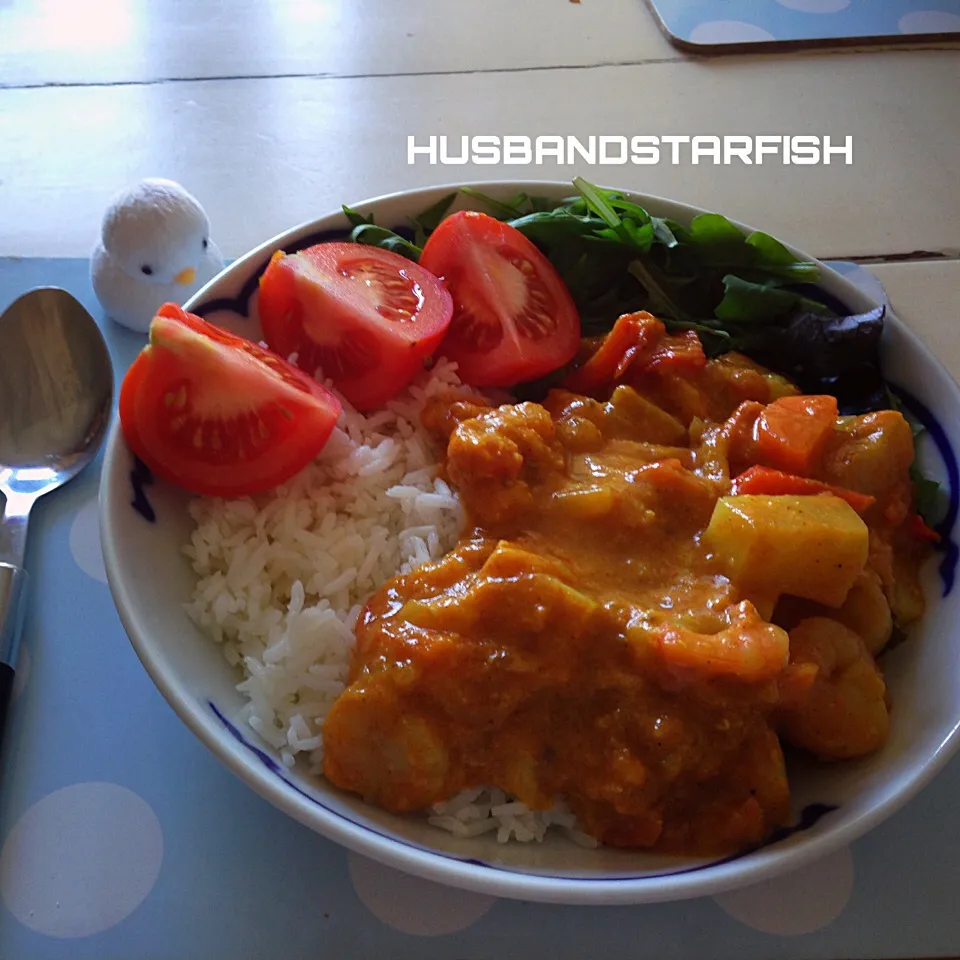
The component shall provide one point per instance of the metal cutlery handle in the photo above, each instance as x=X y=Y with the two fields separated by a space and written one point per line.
x=13 y=581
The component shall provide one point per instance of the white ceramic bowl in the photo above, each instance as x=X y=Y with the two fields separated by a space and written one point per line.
x=150 y=579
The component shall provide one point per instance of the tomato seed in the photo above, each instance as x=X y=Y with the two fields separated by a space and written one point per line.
x=536 y=324
x=397 y=314
x=473 y=332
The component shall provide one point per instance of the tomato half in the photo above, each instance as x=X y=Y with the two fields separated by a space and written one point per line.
x=513 y=317
x=366 y=317
x=218 y=414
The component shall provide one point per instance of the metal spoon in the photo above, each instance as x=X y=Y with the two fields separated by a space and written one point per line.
x=56 y=392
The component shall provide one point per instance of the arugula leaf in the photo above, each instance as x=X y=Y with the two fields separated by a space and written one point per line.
x=356 y=219
x=773 y=252
x=596 y=201
x=747 y=302
x=927 y=496
x=426 y=222
x=374 y=236
x=712 y=228
x=546 y=204
x=660 y=302
x=501 y=209
x=549 y=227
x=634 y=211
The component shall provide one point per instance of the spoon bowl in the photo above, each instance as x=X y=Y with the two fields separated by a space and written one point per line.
x=56 y=392
x=56 y=388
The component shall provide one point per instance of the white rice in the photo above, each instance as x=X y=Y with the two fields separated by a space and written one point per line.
x=282 y=579
x=475 y=812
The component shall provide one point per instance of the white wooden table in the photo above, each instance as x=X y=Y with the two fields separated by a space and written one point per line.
x=275 y=111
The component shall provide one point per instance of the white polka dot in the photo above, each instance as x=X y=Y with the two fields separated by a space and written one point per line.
x=85 y=541
x=412 y=905
x=930 y=21
x=815 y=6
x=22 y=667
x=728 y=31
x=81 y=860
x=800 y=902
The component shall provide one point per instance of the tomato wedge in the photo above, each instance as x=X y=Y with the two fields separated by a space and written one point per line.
x=633 y=339
x=513 y=317
x=364 y=316
x=217 y=414
x=679 y=353
x=922 y=530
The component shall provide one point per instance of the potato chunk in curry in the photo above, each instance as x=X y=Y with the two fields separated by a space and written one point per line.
x=585 y=639
x=813 y=547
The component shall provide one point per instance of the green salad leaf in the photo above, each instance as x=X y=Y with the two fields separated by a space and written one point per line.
x=615 y=257
x=745 y=301
x=426 y=222
x=928 y=495
x=366 y=231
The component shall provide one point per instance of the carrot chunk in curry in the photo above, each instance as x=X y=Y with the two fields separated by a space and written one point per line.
x=618 y=626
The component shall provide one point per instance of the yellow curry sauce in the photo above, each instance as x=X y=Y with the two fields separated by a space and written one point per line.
x=615 y=628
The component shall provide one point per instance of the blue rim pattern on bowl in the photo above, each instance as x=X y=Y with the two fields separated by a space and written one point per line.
x=140 y=478
x=926 y=418
x=810 y=816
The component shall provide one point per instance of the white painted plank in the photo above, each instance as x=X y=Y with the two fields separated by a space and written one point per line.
x=83 y=41
x=927 y=297
x=265 y=154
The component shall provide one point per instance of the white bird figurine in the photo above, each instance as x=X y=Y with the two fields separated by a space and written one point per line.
x=154 y=248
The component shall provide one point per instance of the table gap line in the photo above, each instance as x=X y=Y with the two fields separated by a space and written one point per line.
x=310 y=75
x=914 y=256
x=701 y=59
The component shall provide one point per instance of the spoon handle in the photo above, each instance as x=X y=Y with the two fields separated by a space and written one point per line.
x=12 y=608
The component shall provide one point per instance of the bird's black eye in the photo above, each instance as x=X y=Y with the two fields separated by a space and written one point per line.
x=147 y=269
x=206 y=243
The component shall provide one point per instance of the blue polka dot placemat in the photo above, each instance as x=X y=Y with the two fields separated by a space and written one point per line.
x=122 y=838
x=733 y=26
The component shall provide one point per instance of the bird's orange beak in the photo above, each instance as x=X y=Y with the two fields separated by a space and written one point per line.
x=186 y=276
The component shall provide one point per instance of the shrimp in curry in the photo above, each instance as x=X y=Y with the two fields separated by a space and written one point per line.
x=671 y=568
